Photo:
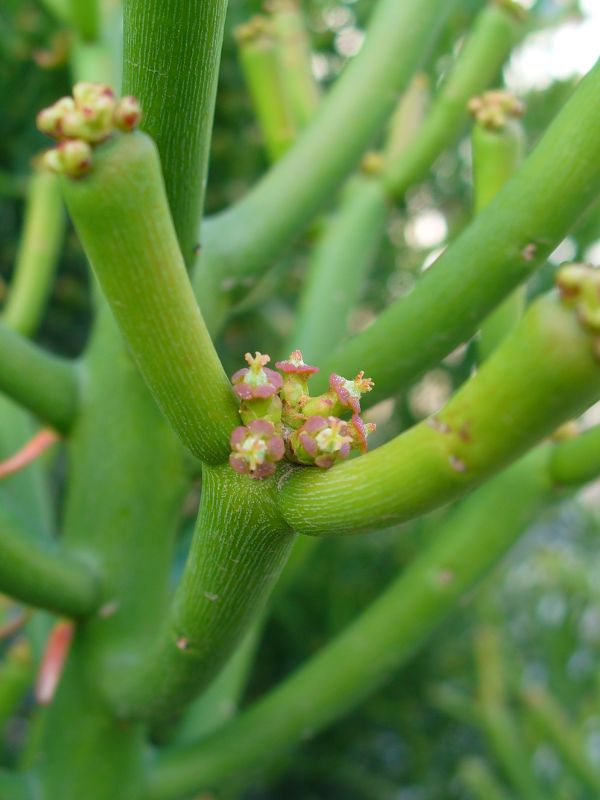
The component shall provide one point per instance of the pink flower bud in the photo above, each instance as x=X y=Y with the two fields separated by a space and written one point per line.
x=321 y=441
x=295 y=365
x=360 y=431
x=256 y=449
x=254 y=381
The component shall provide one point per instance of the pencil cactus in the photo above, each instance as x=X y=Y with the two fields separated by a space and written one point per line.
x=147 y=413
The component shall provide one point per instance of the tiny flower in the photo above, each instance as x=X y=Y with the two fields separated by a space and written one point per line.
x=321 y=441
x=255 y=381
x=579 y=287
x=493 y=109
x=50 y=120
x=72 y=157
x=295 y=365
x=127 y=114
x=349 y=392
x=256 y=449
x=360 y=431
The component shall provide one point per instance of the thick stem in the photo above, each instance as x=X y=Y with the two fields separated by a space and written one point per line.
x=544 y=373
x=338 y=267
x=85 y=17
x=37 y=256
x=172 y=51
x=494 y=34
x=239 y=548
x=44 y=577
x=367 y=653
x=124 y=520
x=513 y=234
x=246 y=240
x=43 y=383
x=577 y=460
x=121 y=215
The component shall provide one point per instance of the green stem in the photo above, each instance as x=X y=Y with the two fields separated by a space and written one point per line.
x=16 y=676
x=13 y=787
x=338 y=267
x=172 y=51
x=577 y=460
x=515 y=399
x=121 y=214
x=246 y=240
x=494 y=34
x=260 y=65
x=293 y=48
x=85 y=17
x=503 y=735
x=43 y=383
x=514 y=234
x=32 y=572
x=479 y=780
x=496 y=156
x=238 y=551
x=38 y=254
x=369 y=651
x=555 y=725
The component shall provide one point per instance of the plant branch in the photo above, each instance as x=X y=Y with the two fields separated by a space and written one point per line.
x=239 y=548
x=172 y=51
x=368 y=652
x=37 y=257
x=35 y=574
x=42 y=383
x=121 y=214
x=513 y=234
x=494 y=34
x=577 y=460
x=246 y=240
x=544 y=373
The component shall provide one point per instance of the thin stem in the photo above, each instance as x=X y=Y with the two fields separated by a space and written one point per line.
x=514 y=234
x=519 y=396
x=493 y=36
x=480 y=781
x=554 y=724
x=371 y=649
x=85 y=17
x=577 y=460
x=38 y=254
x=246 y=240
x=42 y=383
x=121 y=214
x=293 y=47
x=239 y=548
x=172 y=51
x=260 y=65
x=501 y=729
x=338 y=267
x=35 y=574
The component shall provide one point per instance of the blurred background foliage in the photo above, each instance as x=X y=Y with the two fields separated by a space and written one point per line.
x=536 y=622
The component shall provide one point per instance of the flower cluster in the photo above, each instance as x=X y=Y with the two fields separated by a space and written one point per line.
x=281 y=419
x=493 y=109
x=79 y=122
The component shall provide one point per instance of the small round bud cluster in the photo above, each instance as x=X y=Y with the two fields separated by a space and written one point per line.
x=79 y=122
x=257 y=30
x=579 y=287
x=281 y=419
x=493 y=109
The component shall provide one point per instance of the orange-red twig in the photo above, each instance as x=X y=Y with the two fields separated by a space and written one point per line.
x=34 y=448
x=53 y=661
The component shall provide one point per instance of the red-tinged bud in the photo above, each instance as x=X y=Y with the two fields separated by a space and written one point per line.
x=53 y=661
x=254 y=381
x=349 y=392
x=256 y=448
x=321 y=441
x=360 y=431
x=50 y=120
x=72 y=157
x=127 y=114
x=294 y=392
